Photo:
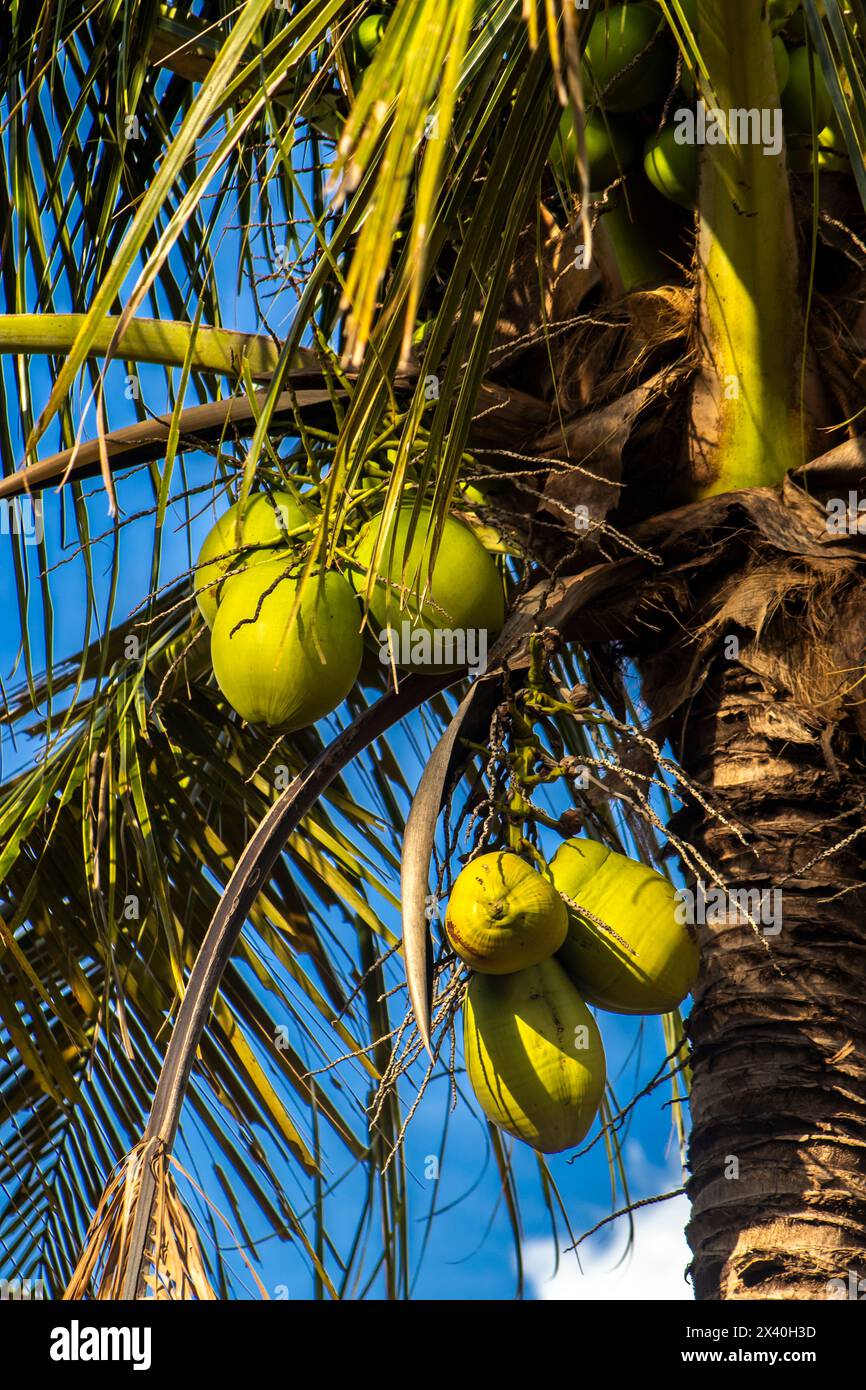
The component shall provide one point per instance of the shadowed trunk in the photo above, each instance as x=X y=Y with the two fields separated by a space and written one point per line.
x=778 y=1028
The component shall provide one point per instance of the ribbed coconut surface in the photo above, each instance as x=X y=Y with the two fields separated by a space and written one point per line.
x=464 y=593
x=503 y=915
x=265 y=521
x=653 y=967
x=278 y=672
x=534 y=1055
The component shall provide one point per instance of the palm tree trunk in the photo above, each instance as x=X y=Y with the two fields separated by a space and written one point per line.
x=778 y=1028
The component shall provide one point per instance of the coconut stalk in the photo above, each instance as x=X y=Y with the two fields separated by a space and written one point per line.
x=746 y=428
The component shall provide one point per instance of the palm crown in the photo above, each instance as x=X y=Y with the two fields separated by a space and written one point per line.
x=446 y=305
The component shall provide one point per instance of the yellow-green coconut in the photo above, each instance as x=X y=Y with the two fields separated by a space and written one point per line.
x=612 y=146
x=280 y=672
x=652 y=968
x=266 y=521
x=504 y=915
x=672 y=168
x=438 y=621
x=628 y=62
x=534 y=1055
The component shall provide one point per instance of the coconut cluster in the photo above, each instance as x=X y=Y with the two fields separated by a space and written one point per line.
x=629 y=72
x=287 y=645
x=595 y=928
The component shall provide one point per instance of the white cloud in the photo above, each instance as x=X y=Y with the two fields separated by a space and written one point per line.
x=653 y=1271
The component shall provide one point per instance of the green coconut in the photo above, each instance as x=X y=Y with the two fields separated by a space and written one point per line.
x=612 y=147
x=365 y=39
x=280 y=672
x=534 y=1055
x=653 y=965
x=504 y=915
x=671 y=167
x=796 y=99
x=628 y=62
x=463 y=595
x=831 y=150
x=266 y=521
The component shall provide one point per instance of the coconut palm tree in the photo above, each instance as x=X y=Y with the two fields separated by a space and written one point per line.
x=650 y=410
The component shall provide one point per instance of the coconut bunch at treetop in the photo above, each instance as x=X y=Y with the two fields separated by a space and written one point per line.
x=628 y=64
x=594 y=928
x=428 y=609
x=628 y=72
x=284 y=652
x=806 y=105
x=533 y=1051
x=638 y=159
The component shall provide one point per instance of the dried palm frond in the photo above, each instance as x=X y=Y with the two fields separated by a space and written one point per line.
x=175 y=1267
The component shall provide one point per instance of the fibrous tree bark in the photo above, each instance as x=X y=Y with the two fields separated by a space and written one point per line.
x=771 y=727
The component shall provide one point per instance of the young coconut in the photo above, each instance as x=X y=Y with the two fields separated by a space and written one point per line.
x=612 y=146
x=797 y=97
x=534 y=1055
x=282 y=673
x=628 y=62
x=503 y=915
x=369 y=35
x=832 y=150
x=266 y=520
x=672 y=168
x=653 y=966
x=462 y=600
